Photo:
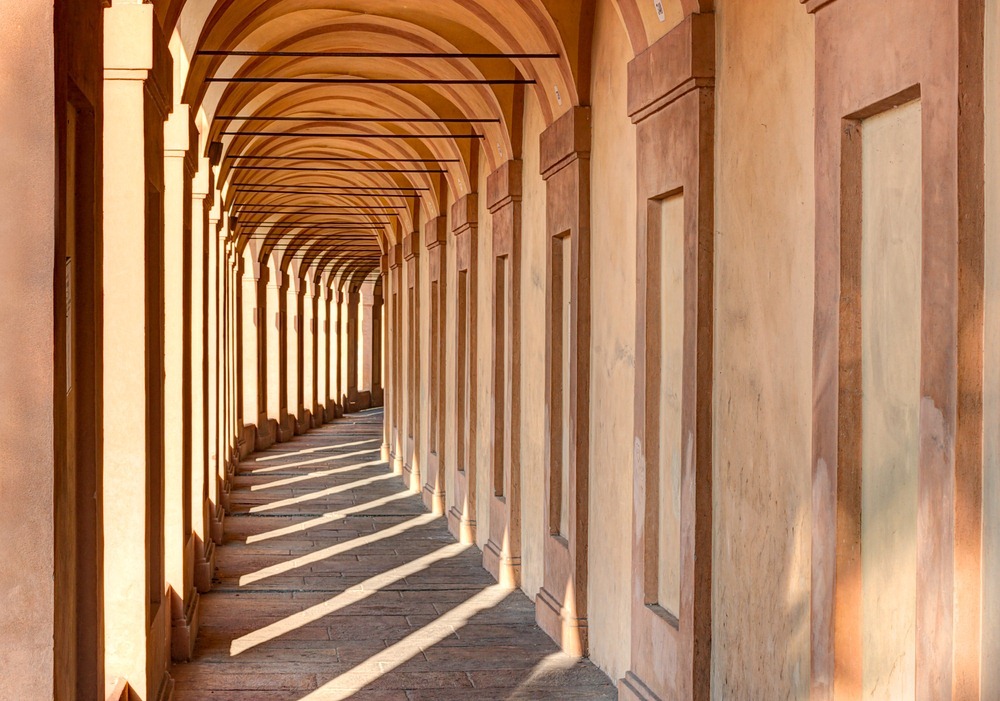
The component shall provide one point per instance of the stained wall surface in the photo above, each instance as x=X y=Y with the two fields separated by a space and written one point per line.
x=891 y=243
x=612 y=368
x=27 y=373
x=991 y=399
x=532 y=362
x=763 y=349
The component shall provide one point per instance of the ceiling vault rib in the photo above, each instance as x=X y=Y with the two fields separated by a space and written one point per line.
x=372 y=81
x=380 y=54
x=435 y=171
x=341 y=159
x=363 y=120
x=338 y=135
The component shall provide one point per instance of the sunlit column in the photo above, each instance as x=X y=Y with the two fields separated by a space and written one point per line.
x=336 y=334
x=248 y=338
x=201 y=388
x=366 y=337
x=309 y=348
x=272 y=329
x=293 y=322
x=216 y=457
x=136 y=84
x=352 y=301
x=178 y=171
x=323 y=349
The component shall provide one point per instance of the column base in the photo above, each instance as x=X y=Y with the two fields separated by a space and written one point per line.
x=246 y=441
x=266 y=435
x=227 y=488
x=166 y=692
x=434 y=500
x=569 y=633
x=204 y=567
x=631 y=688
x=184 y=630
x=462 y=528
x=216 y=524
x=505 y=569
x=384 y=452
x=286 y=429
x=410 y=479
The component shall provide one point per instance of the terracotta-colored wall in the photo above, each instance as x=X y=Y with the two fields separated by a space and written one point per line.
x=484 y=380
x=532 y=353
x=991 y=399
x=612 y=370
x=763 y=358
x=27 y=377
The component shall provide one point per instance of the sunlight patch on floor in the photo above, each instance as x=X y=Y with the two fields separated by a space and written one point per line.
x=334 y=550
x=311 y=496
x=307 y=451
x=326 y=519
x=288 y=481
x=364 y=674
x=352 y=596
x=314 y=461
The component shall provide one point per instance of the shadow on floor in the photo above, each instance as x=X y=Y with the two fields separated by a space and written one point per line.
x=335 y=583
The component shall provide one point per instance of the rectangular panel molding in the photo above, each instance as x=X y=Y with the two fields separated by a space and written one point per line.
x=465 y=225
x=502 y=554
x=561 y=604
x=898 y=351
x=672 y=103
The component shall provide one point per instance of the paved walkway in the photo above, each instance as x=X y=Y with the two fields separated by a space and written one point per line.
x=335 y=583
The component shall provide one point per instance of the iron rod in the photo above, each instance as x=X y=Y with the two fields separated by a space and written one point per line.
x=377 y=54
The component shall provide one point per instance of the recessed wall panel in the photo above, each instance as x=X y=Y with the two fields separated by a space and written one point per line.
x=891 y=245
x=669 y=218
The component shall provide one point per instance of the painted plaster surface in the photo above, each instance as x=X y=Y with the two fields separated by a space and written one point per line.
x=612 y=370
x=991 y=400
x=672 y=305
x=763 y=338
x=890 y=405
x=26 y=374
x=533 y=528
x=484 y=381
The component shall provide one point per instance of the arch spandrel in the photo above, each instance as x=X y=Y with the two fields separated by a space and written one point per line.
x=643 y=24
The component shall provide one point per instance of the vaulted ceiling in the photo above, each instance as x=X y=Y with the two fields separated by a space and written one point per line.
x=341 y=125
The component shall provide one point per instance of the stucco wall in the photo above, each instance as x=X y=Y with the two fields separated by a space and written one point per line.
x=484 y=362
x=991 y=398
x=890 y=350
x=763 y=359
x=27 y=456
x=532 y=353
x=612 y=370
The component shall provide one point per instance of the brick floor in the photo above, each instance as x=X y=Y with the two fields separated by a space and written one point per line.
x=335 y=583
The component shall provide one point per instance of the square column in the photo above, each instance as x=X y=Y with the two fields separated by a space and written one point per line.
x=180 y=143
x=435 y=238
x=672 y=474
x=293 y=348
x=202 y=387
x=309 y=304
x=411 y=364
x=272 y=331
x=502 y=554
x=561 y=604
x=465 y=226
x=137 y=96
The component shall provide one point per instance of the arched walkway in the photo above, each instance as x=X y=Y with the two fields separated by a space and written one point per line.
x=335 y=582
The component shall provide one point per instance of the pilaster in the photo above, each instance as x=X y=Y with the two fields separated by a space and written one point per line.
x=137 y=95
x=502 y=554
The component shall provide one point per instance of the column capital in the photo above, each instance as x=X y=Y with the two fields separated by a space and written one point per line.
x=135 y=49
x=503 y=186
x=567 y=140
